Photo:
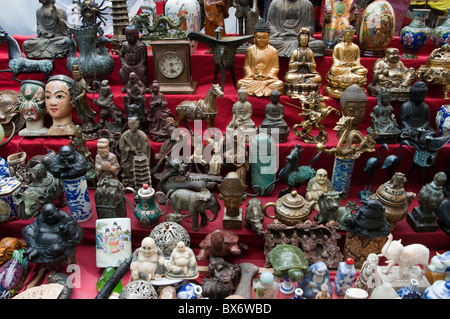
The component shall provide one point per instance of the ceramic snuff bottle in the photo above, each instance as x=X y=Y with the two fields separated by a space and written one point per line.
x=266 y=286
x=345 y=276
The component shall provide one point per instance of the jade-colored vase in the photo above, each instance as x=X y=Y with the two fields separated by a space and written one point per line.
x=416 y=35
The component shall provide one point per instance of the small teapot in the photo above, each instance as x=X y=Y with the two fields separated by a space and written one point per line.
x=290 y=209
x=147 y=211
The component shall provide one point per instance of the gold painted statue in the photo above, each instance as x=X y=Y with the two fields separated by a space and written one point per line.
x=389 y=72
x=261 y=64
x=351 y=142
x=346 y=68
x=302 y=76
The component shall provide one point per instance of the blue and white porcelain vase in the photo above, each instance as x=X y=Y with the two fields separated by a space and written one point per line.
x=287 y=287
x=440 y=289
x=342 y=174
x=8 y=211
x=174 y=9
x=410 y=291
x=78 y=199
x=441 y=34
x=4 y=168
x=345 y=276
x=416 y=35
x=190 y=291
x=442 y=120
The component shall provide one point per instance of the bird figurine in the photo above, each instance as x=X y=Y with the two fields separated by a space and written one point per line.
x=372 y=165
x=392 y=161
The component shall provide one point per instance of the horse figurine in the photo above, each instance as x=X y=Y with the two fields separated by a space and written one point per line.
x=18 y=64
x=205 y=109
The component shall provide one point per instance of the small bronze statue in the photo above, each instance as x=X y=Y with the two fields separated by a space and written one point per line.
x=274 y=123
x=315 y=112
x=353 y=103
x=302 y=76
x=108 y=110
x=254 y=217
x=91 y=11
x=383 y=119
x=430 y=197
x=346 y=68
x=232 y=192
x=53 y=236
x=132 y=142
x=389 y=72
x=242 y=115
x=247 y=16
x=222 y=280
x=84 y=111
x=158 y=115
x=51 y=30
x=133 y=56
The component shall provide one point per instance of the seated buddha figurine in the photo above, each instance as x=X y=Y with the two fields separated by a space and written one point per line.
x=346 y=68
x=274 y=118
x=261 y=64
x=286 y=18
x=302 y=76
x=389 y=72
x=414 y=116
x=383 y=119
x=242 y=115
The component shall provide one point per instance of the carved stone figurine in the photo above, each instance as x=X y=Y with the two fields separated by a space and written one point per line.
x=131 y=143
x=68 y=164
x=158 y=115
x=84 y=111
x=389 y=72
x=51 y=30
x=220 y=243
x=318 y=185
x=52 y=237
x=368 y=276
x=215 y=14
x=32 y=108
x=148 y=262
x=106 y=163
x=222 y=279
x=274 y=123
x=317 y=276
x=287 y=18
x=59 y=105
x=242 y=115
x=182 y=263
x=133 y=56
x=430 y=197
x=346 y=68
x=302 y=76
x=261 y=64
x=383 y=119
x=254 y=217
x=353 y=103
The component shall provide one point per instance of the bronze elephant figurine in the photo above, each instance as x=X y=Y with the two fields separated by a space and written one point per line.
x=196 y=203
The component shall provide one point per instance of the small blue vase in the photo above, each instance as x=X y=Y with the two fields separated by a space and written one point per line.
x=190 y=291
x=78 y=199
x=342 y=174
x=416 y=35
x=410 y=292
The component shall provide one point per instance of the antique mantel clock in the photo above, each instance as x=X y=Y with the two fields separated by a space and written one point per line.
x=172 y=69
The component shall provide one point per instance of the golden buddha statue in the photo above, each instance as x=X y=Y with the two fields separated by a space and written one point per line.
x=302 y=76
x=261 y=65
x=346 y=68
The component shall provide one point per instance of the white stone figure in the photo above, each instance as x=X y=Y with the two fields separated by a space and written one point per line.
x=147 y=261
x=182 y=263
x=404 y=256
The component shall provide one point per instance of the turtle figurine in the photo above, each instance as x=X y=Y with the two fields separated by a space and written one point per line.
x=288 y=261
x=220 y=243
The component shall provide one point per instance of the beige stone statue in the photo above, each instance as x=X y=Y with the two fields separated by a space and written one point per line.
x=302 y=76
x=346 y=68
x=147 y=261
x=106 y=163
x=182 y=263
x=242 y=115
x=261 y=64
x=353 y=104
x=318 y=185
x=389 y=72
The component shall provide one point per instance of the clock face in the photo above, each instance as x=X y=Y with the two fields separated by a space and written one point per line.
x=170 y=65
